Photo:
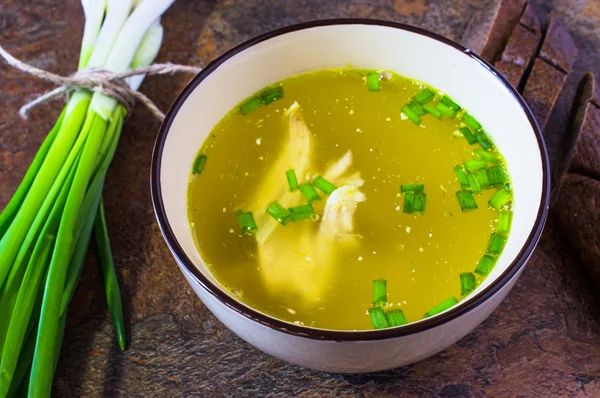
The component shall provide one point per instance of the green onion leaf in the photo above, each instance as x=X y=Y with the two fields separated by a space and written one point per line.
x=484 y=181
x=469 y=136
x=420 y=202
x=271 y=95
x=424 y=97
x=467 y=283
x=246 y=220
x=309 y=192
x=496 y=244
x=292 y=179
x=484 y=140
x=449 y=103
x=466 y=201
x=432 y=111
x=411 y=188
x=500 y=199
x=451 y=302
x=471 y=122
x=324 y=186
x=250 y=105
x=373 y=81
x=199 y=163
x=474 y=183
x=409 y=113
x=475 y=164
x=409 y=201
x=303 y=212
x=485 y=265
x=379 y=291
x=504 y=221
x=461 y=176
x=378 y=318
x=497 y=176
x=445 y=110
x=482 y=153
x=279 y=213
x=416 y=108
x=396 y=317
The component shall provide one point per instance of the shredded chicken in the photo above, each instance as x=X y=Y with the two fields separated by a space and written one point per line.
x=301 y=258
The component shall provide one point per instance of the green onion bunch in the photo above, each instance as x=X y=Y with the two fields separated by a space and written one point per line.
x=46 y=227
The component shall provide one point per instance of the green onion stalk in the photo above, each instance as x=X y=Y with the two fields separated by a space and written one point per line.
x=46 y=227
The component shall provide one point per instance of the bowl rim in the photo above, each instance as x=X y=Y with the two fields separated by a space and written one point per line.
x=343 y=335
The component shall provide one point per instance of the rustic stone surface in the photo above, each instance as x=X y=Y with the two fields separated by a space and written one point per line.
x=489 y=30
x=542 y=341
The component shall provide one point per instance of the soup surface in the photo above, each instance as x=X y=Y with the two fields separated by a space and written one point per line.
x=347 y=126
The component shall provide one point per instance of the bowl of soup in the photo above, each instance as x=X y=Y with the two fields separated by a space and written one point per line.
x=350 y=195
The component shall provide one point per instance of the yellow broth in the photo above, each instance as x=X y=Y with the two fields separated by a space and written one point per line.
x=420 y=255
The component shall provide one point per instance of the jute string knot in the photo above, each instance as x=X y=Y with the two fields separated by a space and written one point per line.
x=98 y=80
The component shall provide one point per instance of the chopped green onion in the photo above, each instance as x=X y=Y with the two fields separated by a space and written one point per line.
x=484 y=181
x=309 y=192
x=379 y=291
x=475 y=164
x=409 y=113
x=411 y=188
x=414 y=202
x=446 y=110
x=378 y=318
x=432 y=111
x=467 y=283
x=471 y=122
x=449 y=103
x=303 y=212
x=246 y=220
x=324 y=186
x=469 y=136
x=484 y=140
x=496 y=244
x=416 y=108
x=250 y=105
x=424 y=97
x=420 y=202
x=485 y=265
x=500 y=198
x=409 y=201
x=271 y=95
x=461 y=176
x=466 y=200
x=199 y=163
x=396 y=317
x=474 y=183
x=504 y=221
x=279 y=213
x=292 y=179
x=482 y=153
x=497 y=176
x=373 y=81
x=451 y=302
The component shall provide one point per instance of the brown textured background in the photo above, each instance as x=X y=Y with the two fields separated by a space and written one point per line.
x=544 y=340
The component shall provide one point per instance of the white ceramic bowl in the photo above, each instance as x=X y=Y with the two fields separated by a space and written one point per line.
x=368 y=44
